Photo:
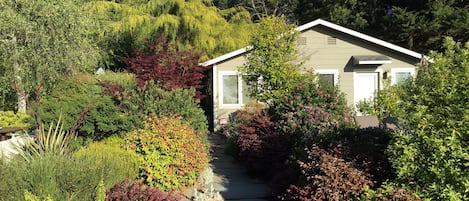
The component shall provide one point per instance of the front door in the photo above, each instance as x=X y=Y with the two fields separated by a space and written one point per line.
x=365 y=85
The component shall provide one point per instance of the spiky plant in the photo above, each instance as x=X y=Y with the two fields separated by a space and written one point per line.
x=53 y=141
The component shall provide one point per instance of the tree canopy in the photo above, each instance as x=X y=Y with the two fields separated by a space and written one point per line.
x=41 y=41
x=270 y=66
x=194 y=24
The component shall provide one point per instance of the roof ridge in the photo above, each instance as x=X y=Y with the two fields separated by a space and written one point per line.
x=331 y=25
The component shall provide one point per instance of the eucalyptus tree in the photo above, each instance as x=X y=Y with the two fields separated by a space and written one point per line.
x=40 y=41
x=130 y=24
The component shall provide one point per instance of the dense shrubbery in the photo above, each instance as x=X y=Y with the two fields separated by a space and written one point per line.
x=309 y=110
x=432 y=151
x=172 y=154
x=12 y=119
x=261 y=147
x=78 y=99
x=150 y=99
x=364 y=148
x=327 y=177
x=129 y=190
x=121 y=162
x=60 y=177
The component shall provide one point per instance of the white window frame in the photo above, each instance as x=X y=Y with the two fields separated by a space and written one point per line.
x=335 y=72
x=401 y=70
x=240 y=88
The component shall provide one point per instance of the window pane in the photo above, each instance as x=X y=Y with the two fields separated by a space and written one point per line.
x=401 y=76
x=326 y=80
x=245 y=93
x=230 y=89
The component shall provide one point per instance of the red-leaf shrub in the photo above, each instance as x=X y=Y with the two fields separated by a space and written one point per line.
x=167 y=66
x=262 y=148
x=129 y=190
x=365 y=148
x=326 y=177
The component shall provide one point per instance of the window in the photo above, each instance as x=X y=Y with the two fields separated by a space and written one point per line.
x=233 y=89
x=328 y=78
x=401 y=74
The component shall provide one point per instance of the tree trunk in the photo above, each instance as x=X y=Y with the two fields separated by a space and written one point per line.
x=19 y=88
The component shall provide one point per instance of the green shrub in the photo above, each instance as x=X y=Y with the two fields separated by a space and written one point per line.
x=79 y=97
x=12 y=119
x=117 y=162
x=385 y=103
x=150 y=99
x=390 y=192
x=56 y=176
x=53 y=141
x=432 y=151
x=171 y=153
x=49 y=170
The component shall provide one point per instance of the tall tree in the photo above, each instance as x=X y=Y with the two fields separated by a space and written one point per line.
x=130 y=24
x=270 y=66
x=261 y=8
x=42 y=40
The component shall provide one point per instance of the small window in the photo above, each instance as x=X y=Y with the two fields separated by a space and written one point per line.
x=328 y=78
x=233 y=89
x=230 y=89
x=399 y=75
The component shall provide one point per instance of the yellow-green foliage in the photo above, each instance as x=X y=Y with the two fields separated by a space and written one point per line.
x=31 y=197
x=191 y=23
x=123 y=161
x=172 y=154
x=12 y=119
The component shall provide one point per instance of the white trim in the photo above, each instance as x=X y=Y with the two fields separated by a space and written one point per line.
x=240 y=89
x=398 y=70
x=215 y=95
x=374 y=62
x=329 y=71
x=359 y=35
x=226 y=56
x=329 y=25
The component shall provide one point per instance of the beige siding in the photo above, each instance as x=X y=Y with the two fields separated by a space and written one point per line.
x=318 y=54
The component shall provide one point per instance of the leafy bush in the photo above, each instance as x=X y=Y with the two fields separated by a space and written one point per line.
x=308 y=110
x=249 y=111
x=12 y=119
x=129 y=190
x=327 y=177
x=384 y=104
x=150 y=99
x=390 y=192
x=171 y=153
x=118 y=162
x=365 y=148
x=79 y=98
x=432 y=151
x=261 y=147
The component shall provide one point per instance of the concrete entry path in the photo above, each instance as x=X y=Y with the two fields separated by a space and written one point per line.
x=227 y=179
x=230 y=176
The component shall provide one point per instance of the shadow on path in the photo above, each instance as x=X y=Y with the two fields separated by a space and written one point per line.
x=230 y=177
